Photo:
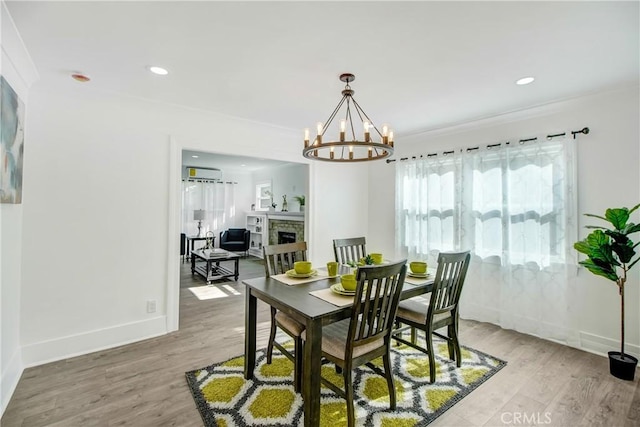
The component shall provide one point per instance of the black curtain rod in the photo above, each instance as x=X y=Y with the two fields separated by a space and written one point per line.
x=584 y=130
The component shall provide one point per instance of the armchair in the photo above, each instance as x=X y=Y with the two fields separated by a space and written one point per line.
x=235 y=240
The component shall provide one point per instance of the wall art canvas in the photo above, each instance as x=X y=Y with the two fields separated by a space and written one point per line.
x=12 y=113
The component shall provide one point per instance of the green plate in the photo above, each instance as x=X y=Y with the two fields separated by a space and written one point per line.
x=292 y=273
x=338 y=289
x=418 y=275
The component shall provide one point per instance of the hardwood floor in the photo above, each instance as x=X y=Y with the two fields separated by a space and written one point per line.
x=143 y=384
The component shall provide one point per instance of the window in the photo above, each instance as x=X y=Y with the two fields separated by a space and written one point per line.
x=264 y=196
x=509 y=203
x=514 y=208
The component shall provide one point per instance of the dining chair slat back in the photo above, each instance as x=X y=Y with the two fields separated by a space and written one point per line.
x=447 y=286
x=349 y=250
x=368 y=331
x=278 y=259
x=376 y=302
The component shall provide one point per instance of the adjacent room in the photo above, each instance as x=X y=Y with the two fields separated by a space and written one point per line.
x=319 y=213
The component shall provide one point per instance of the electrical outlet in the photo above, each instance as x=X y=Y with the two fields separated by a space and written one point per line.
x=151 y=306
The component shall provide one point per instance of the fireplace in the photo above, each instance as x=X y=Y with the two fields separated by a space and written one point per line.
x=286 y=237
x=292 y=231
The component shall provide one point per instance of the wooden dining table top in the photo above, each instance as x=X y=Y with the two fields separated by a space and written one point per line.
x=296 y=300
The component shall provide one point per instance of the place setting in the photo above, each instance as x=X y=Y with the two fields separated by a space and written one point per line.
x=339 y=294
x=417 y=274
x=302 y=272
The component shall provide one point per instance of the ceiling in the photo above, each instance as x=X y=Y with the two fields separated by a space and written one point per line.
x=226 y=162
x=419 y=66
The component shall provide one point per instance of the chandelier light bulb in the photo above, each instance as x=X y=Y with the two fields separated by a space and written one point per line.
x=367 y=135
x=306 y=137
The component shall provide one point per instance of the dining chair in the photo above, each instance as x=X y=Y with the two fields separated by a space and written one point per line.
x=441 y=311
x=277 y=260
x=349 y=250
x=365 y=336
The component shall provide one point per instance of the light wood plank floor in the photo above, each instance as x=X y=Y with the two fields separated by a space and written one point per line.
x=143 y=384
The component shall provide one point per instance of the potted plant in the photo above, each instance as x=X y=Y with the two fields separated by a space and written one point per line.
x=610 y=254
x=301 y=200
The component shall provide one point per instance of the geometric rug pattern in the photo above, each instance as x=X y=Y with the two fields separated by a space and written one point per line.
x=224 y=398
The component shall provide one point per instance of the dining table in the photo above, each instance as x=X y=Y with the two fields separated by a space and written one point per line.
x=301 y=301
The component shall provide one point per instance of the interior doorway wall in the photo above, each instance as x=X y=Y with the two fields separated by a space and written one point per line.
x=174 y=226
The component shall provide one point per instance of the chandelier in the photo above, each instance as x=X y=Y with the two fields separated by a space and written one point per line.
x=343 y=149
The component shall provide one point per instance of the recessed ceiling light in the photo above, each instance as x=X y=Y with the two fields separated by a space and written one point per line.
x=195 y=157
x=158 y=70
x=243 y=165
x=82 y=78
x=524 y=81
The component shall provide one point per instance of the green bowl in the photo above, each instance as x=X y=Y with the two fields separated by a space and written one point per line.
x=348 y=282
x=302 y=267
x=418 y=267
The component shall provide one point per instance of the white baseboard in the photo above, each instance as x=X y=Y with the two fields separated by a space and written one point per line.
x=601 y=345
x=76 y=345
x=9 y=379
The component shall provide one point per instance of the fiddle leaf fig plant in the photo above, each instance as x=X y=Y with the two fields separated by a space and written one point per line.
x=610 y=251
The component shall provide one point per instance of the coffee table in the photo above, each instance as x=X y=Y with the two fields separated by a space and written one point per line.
x=206 y=263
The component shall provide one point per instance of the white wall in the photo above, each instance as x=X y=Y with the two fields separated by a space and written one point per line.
x=19 y=72
x=608 y=176
x=290 y=180
x=97 y=167
x=100 y=166
x=339 y=201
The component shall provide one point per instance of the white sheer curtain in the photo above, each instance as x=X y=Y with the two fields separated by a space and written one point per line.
x=217 y=199
x=514 y=207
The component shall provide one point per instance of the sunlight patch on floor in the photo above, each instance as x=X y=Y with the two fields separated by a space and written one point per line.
x=213 y=292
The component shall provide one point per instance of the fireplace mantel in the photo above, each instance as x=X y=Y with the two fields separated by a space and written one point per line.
x=286 y=216
x=291 y=222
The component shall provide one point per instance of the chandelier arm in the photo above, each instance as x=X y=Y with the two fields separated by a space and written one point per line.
x=350 y=118
x=332 y=116
x=360 y=110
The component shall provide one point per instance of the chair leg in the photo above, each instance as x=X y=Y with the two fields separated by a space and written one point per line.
x=432 y=358
x=297 y=365
x=388 y=373
x=456 y=344
x=450 y=342
x=272 y=335
x=348 y=389
x=414 y=335
x=397 y=326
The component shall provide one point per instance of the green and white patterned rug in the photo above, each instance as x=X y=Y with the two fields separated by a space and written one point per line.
x=224 y=398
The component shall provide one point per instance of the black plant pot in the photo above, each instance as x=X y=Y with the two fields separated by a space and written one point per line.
x=623 y=368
